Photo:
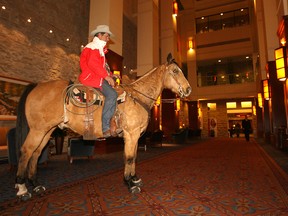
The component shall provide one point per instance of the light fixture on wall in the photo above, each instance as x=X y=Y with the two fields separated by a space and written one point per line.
x=190 y=43
x=266 y=89
x=281 y=63
x=178 y=104
x=175 y=8
x=260 y=100
x=117 y=74
x=158 y=101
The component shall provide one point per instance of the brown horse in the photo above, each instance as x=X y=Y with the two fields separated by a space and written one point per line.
x=44 y=107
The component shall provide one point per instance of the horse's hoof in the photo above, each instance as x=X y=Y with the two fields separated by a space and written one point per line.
x=135 y=189
x=133 y=181
x=137 y=181
x=25 y=197
x=39 y=189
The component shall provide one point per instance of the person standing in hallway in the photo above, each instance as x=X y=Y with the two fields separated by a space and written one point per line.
x=237 y=129
x=246 y=125
x=95 y=72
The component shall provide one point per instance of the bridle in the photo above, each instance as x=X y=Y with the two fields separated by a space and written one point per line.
x=170 y=72
x=173 y=74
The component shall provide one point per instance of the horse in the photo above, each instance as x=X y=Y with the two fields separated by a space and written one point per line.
x=44 y=107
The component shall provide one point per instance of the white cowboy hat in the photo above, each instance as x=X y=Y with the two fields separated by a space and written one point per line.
x=101 y=28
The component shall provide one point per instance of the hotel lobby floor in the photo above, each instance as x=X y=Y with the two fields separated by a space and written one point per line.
x=217 y=176
x=52 y=175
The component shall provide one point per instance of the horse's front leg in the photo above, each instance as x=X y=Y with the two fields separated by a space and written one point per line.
x=130 y=154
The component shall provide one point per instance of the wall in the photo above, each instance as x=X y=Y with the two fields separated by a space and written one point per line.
x=222 y=118
x=29 y=51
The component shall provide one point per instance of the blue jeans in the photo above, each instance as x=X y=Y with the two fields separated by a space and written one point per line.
x=109 y=104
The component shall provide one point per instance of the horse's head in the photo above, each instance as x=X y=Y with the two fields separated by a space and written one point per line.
x=175 y=79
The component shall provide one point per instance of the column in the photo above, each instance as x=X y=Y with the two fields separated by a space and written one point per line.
x=147 y=36
x=108 y=12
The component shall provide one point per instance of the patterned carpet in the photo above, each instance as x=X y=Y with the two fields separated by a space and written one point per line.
x=213 y=177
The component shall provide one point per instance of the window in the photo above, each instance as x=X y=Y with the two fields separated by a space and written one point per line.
x=211 y=106
x=231 y=105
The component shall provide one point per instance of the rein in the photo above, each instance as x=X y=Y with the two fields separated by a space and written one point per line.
x=142 y=94
x=145 y=106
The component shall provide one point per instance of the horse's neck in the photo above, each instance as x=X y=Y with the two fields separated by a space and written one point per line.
x=149 y=87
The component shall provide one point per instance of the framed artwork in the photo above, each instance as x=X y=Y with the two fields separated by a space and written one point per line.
x=10 y=92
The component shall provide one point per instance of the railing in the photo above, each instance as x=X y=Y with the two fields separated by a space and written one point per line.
x=225 y=79
x=221 y=21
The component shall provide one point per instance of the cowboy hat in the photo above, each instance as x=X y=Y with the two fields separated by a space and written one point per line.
x=101 y=28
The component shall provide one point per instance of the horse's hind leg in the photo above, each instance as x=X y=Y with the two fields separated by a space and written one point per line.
x=32 y=166
x=130 y=154
x=30 y=145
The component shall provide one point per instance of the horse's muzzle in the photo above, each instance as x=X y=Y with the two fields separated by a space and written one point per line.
x=188 y=91
x=184 y=93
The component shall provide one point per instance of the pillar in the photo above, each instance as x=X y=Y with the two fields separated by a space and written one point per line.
x=147 y=36
x=108 y=12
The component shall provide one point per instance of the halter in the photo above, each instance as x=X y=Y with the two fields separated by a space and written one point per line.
x=173 y=74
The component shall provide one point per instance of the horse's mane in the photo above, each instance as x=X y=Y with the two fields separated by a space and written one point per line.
x=148 y=87
x=149 y=75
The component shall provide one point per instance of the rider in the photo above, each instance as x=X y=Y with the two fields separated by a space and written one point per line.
x=96 y=73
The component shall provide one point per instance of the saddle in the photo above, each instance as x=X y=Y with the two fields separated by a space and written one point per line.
x=84 y=94
x=86 y=97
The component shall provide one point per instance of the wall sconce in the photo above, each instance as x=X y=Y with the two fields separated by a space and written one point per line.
x=254 y=110
x=260 y=100
x=117 y=73
x=266 y=89
x=178 y=104
x=158 y=101
x=281 y=63
x=175 y=8
x=190 y=44
x=283 y=41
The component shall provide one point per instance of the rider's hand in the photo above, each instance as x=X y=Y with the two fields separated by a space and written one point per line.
x=110 y=80
x=115 y=76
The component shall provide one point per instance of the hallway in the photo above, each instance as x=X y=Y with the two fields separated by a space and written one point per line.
x=218 y=176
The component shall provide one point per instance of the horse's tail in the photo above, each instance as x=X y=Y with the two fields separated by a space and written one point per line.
x=22 y=127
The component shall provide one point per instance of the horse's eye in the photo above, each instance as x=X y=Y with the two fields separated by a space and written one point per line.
x=175 y=71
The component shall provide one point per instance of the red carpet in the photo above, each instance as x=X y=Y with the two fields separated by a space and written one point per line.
x=214 y=177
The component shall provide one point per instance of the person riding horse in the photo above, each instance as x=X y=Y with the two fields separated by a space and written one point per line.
x=96 y=73
x=37 y=119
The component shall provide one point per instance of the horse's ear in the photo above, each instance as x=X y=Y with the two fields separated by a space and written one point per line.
x=169 y=58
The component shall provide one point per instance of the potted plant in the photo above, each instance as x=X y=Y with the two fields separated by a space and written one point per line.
x=59 y=135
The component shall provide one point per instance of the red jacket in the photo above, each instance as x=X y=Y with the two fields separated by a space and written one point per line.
x=93 y=68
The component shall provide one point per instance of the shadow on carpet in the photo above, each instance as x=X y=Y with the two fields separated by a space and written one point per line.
x=214 y=177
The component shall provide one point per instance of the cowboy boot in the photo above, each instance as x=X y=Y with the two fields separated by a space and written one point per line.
x=113 y=127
